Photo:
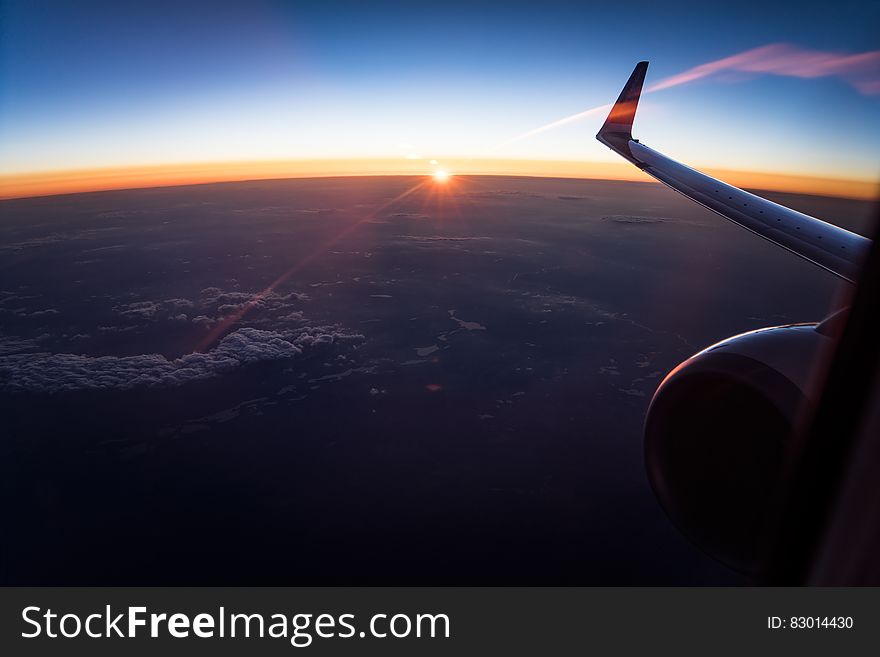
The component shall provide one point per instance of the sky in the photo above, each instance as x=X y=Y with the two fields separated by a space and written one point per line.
x=189 y=91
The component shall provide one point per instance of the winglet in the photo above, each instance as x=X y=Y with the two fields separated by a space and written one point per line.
x=617 y=129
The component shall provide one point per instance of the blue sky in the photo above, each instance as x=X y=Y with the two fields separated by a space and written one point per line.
x=87 y=84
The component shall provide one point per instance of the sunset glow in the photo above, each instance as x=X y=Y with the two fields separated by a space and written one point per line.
x=45 y=183
x=257 y=91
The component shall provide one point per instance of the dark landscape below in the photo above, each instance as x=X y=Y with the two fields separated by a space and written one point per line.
x=443 y=387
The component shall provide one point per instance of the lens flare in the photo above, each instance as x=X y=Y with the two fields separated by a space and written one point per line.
x=441 y=176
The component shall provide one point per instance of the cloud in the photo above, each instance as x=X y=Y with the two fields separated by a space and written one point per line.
x=179 y=303
x=45 y=372
x=117 y=329
x=861 y=71
x=14 y=345
x=212 y=306
x=23 y=312
x=54 y=238
x=139 y=309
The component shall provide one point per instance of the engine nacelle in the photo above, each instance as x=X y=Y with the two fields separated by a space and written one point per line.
x=718 y=430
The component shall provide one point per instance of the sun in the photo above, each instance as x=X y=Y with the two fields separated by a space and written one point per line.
x=441 y=176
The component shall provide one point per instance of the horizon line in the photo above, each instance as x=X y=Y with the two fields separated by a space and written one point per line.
x=58 y=182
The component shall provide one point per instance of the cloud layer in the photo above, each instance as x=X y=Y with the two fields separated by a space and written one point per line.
x=214 y=305
x=42 y=372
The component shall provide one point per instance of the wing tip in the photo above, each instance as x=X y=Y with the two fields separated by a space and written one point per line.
x=623 y=112
x=616 y=132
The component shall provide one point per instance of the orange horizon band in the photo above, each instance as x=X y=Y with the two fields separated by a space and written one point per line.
x=50 y=183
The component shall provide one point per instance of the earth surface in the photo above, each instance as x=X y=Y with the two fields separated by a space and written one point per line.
x=363 y=380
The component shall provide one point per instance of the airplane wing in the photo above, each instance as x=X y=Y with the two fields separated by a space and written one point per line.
x=839 y=251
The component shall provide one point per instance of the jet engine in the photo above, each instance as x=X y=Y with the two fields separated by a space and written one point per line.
x=719 y=428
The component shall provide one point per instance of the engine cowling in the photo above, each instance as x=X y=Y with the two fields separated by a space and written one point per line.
x=719 y=428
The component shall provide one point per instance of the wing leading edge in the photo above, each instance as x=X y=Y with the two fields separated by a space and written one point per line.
x=833 y=248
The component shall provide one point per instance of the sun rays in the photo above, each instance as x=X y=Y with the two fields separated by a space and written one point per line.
x=439 y=198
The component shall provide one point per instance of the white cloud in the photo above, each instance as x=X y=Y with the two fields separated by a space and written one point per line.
x=43 y=372
x=139 y=309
